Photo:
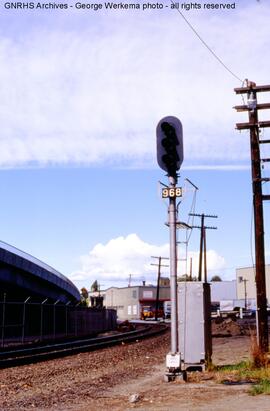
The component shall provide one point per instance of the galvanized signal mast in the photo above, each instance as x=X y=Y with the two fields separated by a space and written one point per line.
x=170 y=157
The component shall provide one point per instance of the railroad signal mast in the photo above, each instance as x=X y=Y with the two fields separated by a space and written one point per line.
x=170 y=157
x=254 y=126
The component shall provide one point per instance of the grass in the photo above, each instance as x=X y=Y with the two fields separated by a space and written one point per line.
x=245 y=372
x=262 y=388
x=256 y=371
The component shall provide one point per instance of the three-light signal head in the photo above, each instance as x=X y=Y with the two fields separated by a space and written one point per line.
x=170 y=144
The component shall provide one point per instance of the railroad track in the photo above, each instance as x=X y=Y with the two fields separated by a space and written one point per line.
x=29 y=355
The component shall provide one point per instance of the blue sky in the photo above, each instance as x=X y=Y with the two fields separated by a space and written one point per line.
x=81 y=94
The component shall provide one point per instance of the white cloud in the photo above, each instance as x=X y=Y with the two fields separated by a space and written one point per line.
x=120 y=257
x=93 y=95
x=114 y=261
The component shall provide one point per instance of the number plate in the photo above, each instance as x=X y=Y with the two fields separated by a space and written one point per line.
x=173 y=360
x=172 y=192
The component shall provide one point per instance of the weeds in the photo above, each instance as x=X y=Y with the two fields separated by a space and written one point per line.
x=245 y=372
x=259 y=358
x=262 y=388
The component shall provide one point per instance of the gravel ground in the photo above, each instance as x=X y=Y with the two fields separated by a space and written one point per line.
x=76 y=380
x=107 y=378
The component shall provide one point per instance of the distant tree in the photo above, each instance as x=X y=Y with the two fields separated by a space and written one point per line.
x=84 y=296
x=183 y=277
x=84 y=293
x=94 y=286
x=216 y=278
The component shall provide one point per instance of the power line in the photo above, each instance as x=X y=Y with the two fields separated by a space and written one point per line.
x=205 y=44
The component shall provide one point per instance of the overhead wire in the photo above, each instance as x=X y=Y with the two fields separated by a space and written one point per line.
x=188 y=235
x=242 y=83
x=206 y=45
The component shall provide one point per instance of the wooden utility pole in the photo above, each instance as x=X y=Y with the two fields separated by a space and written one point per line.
x=203 y=229
x=190 y=269
x=159 y=265
x=204 y=253
x=201 y=247
x=253 y=126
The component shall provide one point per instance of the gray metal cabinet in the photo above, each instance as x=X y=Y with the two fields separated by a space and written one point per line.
x=194 y=325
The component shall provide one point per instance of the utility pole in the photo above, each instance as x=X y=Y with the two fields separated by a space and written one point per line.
x=190 y=269
x=201 y=246
x=203 y=229
x=245 y=290
x=205 y=256
x=253 y=126
x=159 y=265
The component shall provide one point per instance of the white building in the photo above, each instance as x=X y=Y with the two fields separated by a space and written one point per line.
x=223 y=290
x=129 y=301
x=246 y=286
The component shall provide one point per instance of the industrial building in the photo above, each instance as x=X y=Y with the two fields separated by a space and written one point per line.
x=129 y=301
x=246 y=286
x=223 y=290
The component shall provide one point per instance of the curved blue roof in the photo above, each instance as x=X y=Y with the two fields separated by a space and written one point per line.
x=40 y=270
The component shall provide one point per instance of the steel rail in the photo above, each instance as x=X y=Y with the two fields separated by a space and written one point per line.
x=20 y=356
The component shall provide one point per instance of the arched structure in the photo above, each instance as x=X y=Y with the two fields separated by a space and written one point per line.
x=22 y=275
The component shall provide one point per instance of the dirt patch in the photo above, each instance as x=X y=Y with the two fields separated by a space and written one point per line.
x=107 y=379
x=226 y=328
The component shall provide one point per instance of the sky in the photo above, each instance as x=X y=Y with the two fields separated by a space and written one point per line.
x=81 y=93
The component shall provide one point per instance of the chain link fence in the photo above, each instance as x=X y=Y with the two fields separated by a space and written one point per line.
x=28 y=322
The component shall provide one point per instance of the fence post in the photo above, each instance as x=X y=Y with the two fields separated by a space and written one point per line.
x=41 y=318
x=54 y=308
x=23 y=323
x=3 y=319
x=76 y=319
x=66 y=317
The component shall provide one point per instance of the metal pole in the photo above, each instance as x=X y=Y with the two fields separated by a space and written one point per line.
x=245 y=288
x=173 y=268
x=3 y=319
x=262 y=325
x=190 y=270
x=54 y=308
x=66 y=318
x=41 y=318
x=23 y=323
x=157 y=296
x=76 y=320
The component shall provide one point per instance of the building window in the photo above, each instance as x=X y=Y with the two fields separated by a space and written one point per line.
x=147 y=294
x=134 y=293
